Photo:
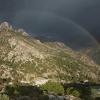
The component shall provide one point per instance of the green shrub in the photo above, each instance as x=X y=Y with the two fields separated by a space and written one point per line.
x=73 y=91
x=53 y=87
x=4 y=97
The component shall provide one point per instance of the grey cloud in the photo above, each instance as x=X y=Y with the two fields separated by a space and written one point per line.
x=50 y=18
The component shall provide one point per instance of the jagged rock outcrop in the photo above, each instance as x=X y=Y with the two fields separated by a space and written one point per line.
x=21 y=31
x=6 y=25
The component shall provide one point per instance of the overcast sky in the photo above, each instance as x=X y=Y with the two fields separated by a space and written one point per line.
x=64 y=20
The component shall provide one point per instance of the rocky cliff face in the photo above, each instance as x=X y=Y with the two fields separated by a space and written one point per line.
x=28 y=60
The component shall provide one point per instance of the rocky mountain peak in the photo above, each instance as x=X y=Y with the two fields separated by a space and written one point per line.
x=21 y=31
x=6 y=25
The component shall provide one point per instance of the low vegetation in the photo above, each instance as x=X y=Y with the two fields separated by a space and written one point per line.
x=17 y=90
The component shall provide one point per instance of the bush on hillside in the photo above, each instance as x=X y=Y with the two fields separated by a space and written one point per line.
x=53 y=87
x=4 y=97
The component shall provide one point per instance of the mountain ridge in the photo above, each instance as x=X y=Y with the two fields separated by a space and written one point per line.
x=27 y=59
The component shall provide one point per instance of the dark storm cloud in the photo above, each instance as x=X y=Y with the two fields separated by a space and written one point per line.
x=7 y=6
x=49 y=18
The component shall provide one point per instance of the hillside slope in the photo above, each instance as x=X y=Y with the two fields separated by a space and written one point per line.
x=27 y=60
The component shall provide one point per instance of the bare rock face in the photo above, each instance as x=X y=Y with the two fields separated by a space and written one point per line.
x=22 y=51
x=6 y=25
x=21 y=31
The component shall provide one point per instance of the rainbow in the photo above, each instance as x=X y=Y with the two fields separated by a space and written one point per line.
x=56 y=15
